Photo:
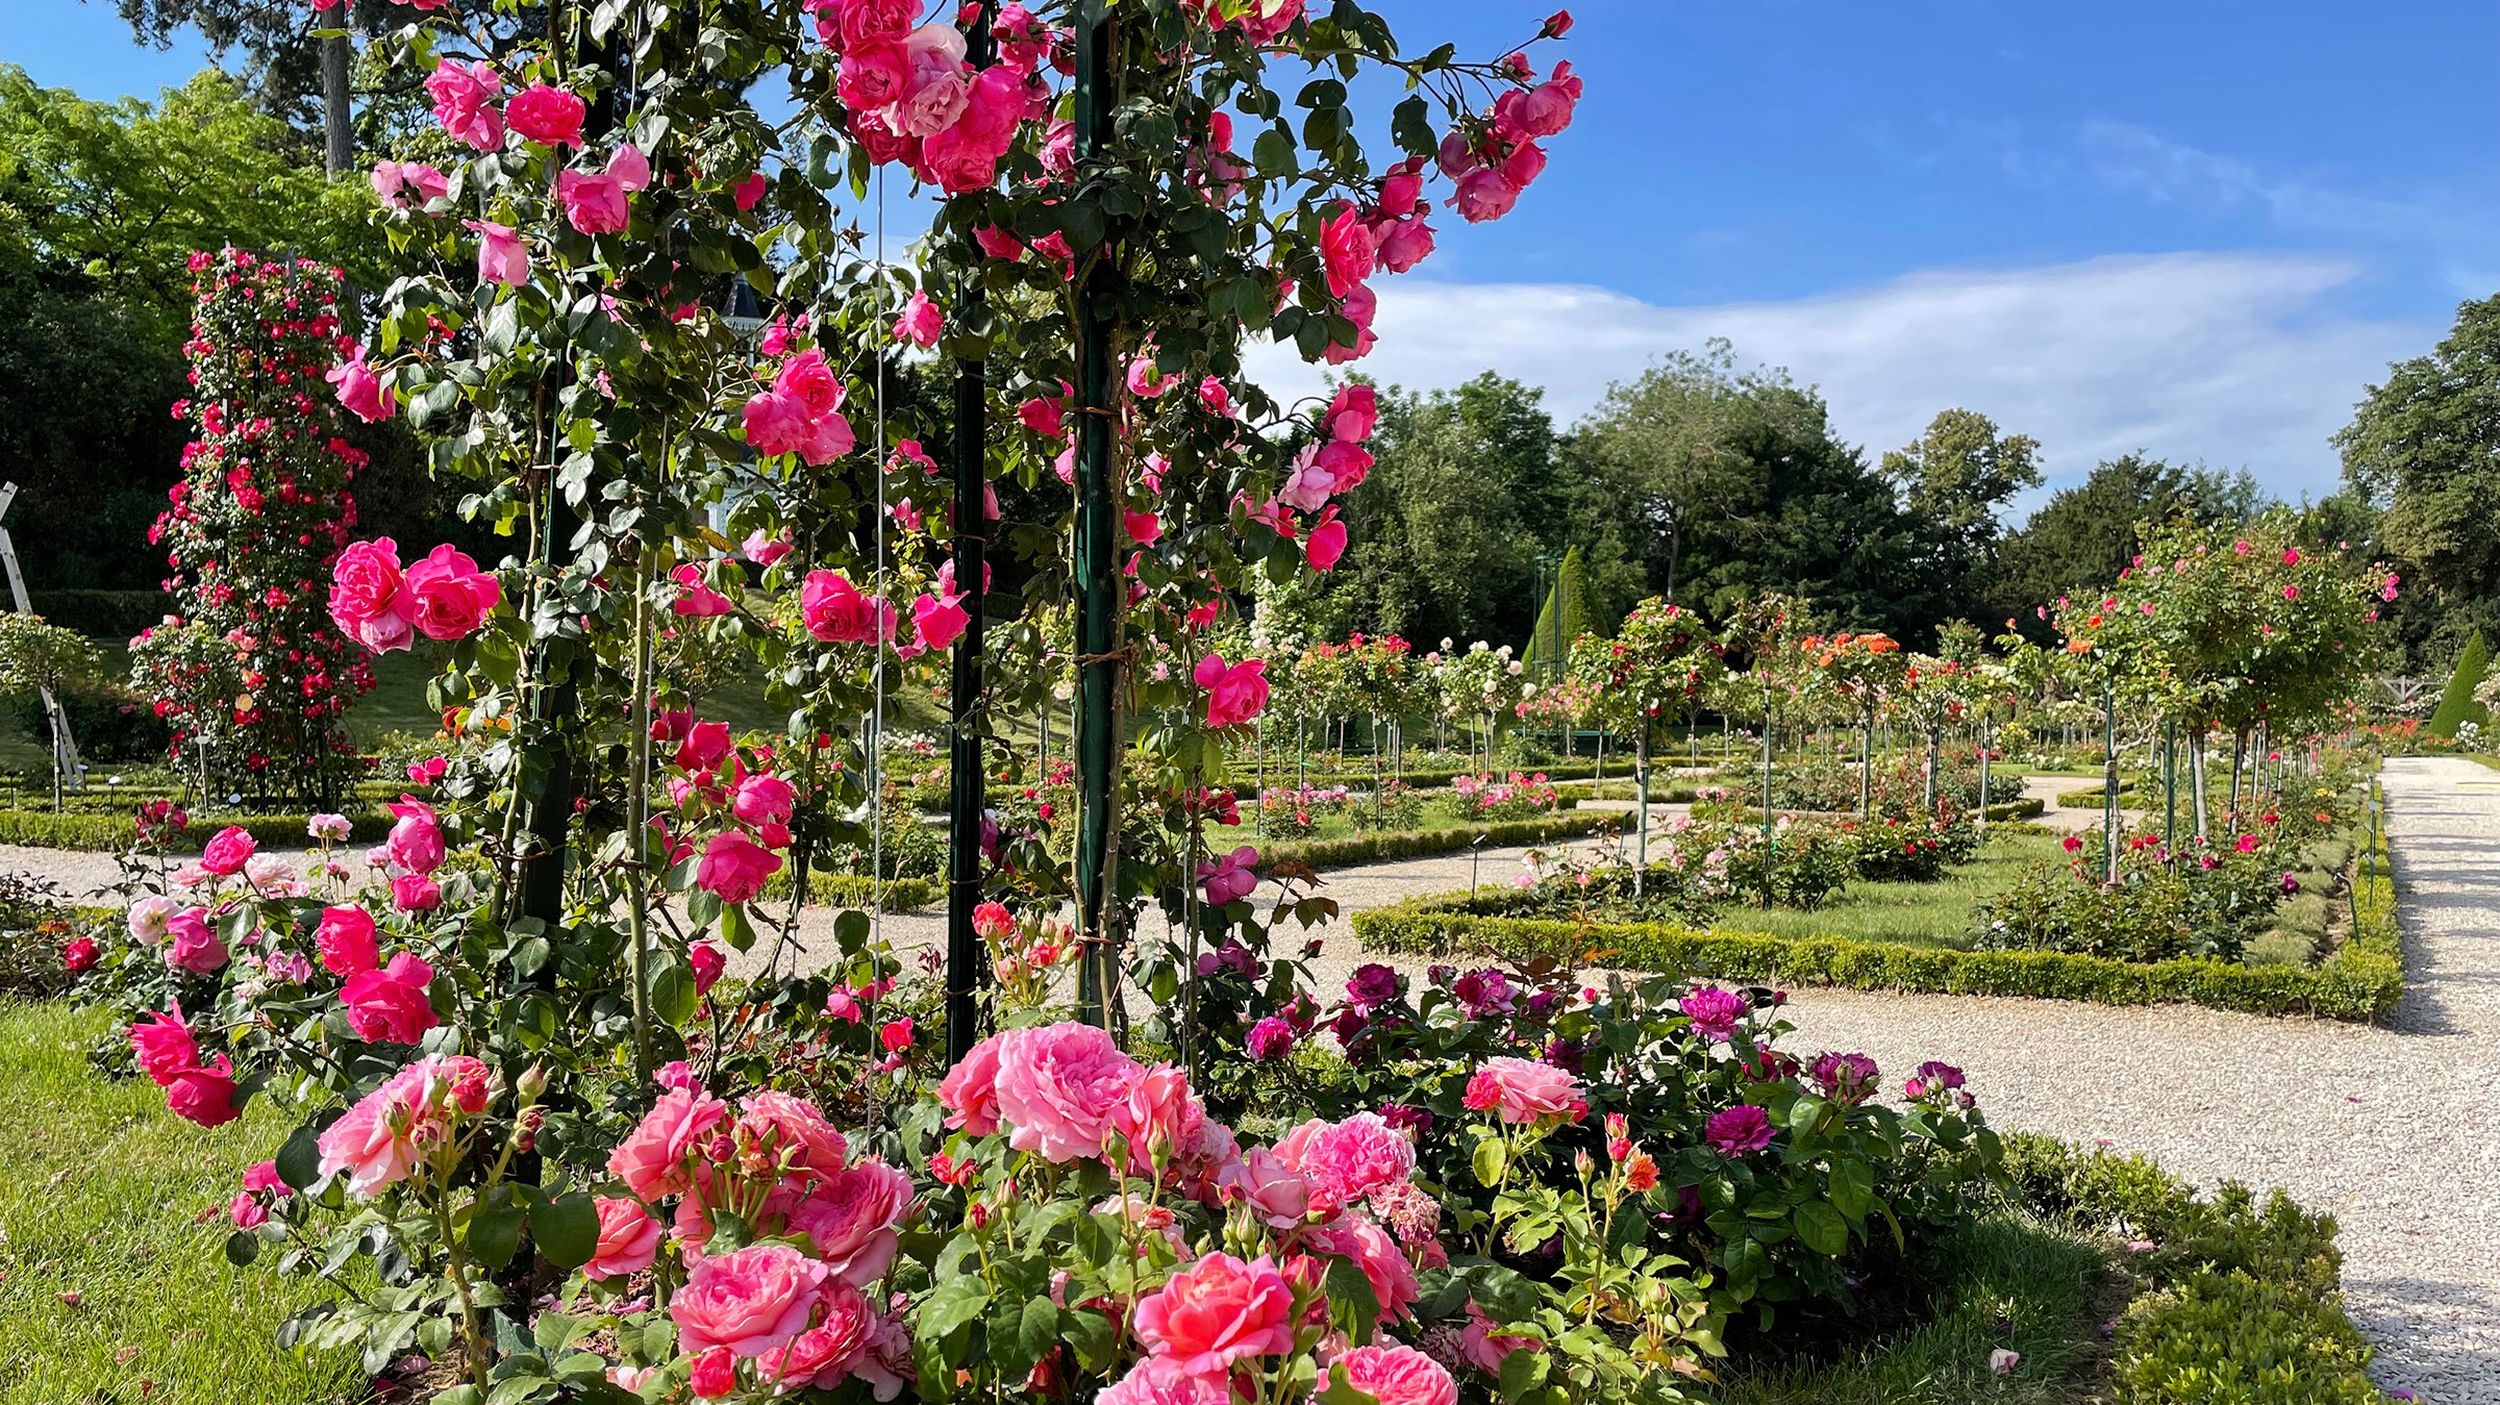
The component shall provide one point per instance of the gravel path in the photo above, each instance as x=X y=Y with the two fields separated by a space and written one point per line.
x=2395 y=1130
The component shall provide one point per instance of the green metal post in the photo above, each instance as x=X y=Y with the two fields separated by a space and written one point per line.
x=1097 y=578
x=968 y=760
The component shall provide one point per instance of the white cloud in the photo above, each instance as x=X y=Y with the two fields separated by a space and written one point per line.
x=2235 y=359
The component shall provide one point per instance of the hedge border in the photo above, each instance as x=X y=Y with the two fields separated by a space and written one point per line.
x=933 y=796
x=111 y=834
x=855 y=890
x=2090 y=797
x=2361 y=981
x=1423 y=843
x=2232 y=1266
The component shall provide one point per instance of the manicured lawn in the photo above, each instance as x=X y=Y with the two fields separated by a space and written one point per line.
x=2007 y=1284
x=105 y=1195
x=1919 y=914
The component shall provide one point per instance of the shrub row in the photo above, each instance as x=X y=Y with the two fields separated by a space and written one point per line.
x=2089 y=797
x=45 y=829
x=932 y=796
x=2362 y=981
x=2030 y=807
x=2246 y=1307
x=856 y=890
x=1408 y=844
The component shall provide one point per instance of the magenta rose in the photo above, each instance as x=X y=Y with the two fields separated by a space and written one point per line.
x=389 y=1006
x=203 y=1094
x=164 y=1047
x=1738 y=1131
x=762 y=799
x=1059 y=1087
x=749 y=1300
x=449 y=596
x=232 y=848
x=345 y=941
x=195 y=946
x=1715 y=1012
x=548 y=116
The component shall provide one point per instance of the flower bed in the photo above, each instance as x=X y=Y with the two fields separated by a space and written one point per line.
x=2362 y=980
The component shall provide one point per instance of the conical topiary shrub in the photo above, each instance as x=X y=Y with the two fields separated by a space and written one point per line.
x=2457 y=704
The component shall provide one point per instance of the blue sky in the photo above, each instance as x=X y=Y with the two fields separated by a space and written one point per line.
x=2196 y=229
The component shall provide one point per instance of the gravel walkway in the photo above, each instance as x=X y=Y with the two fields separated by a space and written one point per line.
x=2395 y=1130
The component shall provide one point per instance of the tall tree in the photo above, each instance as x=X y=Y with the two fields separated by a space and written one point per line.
x=1953 y=482
x=1724 y=484
x=2083 y=536
x=2425 y=444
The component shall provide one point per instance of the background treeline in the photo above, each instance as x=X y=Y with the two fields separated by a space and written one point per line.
x=1701 y=479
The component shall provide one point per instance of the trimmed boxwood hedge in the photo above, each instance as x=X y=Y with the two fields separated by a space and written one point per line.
x=933 y=796
x=855 y=890
x=2246 y=1306
x=1419 y=843
x=45 y=829
x=2362 y=980
x=2089 y=797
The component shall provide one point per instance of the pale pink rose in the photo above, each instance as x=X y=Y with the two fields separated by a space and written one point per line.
x=1525 y=1091
x=651 y=1161
x=1147 y=1385
x=1216 y=1312
x=1274 y=1190
x=148 y=917
x=387 y=1134
x=1059 y=1087
x=629 y=1239
x=749 y=1300
x=853 y=1218
x=970 y=1090
x=631 y=167
x=793 y=1131
x=1484 y=1347
x=408 y=184
x=1398 y=1375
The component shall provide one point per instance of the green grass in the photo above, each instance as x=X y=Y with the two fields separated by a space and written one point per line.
x=99 y=1190
x=1919 y=914
x=2010 y=1283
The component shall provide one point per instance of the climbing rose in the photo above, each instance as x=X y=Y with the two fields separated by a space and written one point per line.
x=1326 y=546
x=164 y=1047
x=365 y=587
x=390 y=1005
x=203 y=1094
x=360 y=390
x=406 y=184
x=1346 y=249
x=921 y=322
x=416 y=839
x=594 y=203
x=447 y=596
x=734 y=867
x=547 y=116
x=464 y=102
x=1215 y=1312
x=1236 y=693
x=836 y=612
x=501 y=256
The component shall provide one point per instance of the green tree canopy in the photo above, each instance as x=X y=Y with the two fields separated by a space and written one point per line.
x=1953 y=482
x=2085 y=535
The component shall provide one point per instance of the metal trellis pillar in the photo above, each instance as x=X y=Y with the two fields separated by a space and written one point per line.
x=968 y=705
x=1097 y=579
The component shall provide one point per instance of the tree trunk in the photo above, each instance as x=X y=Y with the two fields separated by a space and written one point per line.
x=338 y=147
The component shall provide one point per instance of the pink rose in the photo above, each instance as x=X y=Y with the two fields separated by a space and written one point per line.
x=939 y=620
x=196 y=946
x=464 y=102
x=164 y=1047
x=713 y=1375
x=547 y=116
x=1485 y=1348
x=203 y=1094
x=387 y=1134
x=1526 y=1091
x=246 y=1211
x=414 y=892
x=1236 y=693
x=1354 y=413
x=922 y=321
x=853 y=1218
x=775 y=423
x=706 y=745
x=764 y=550
x=734 y=867
x=793 y=1131
x=365 y=587
x=823 y=1355
x=1215 y=1312
x=762 y=799
x=1145 y=1384
x=501 y=256
x=1326 y=545
x=447 y=596
x=651 y=1161
x=874 y=74
x=389 y=1006
x=1360 y=306
x=809 y=380
x=1398 y=1375
x=970 y=1089
x=1359 y=1239
x=1275 y=1192
x=1230 y=877
x=405 y=184
x=416 y=838
x=345 y=941
x=1349 y=1159
x=628 y=1239
x=748 y=192
x=1345 y=247
x=1484 y=195
x=360 y=390
x=835 y=611
x=1160 y=1116
x=593 y=204
x=1059 y=1087
x=749 y=1301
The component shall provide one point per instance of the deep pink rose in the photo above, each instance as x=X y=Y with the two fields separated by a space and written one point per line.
x=232 y=848
x=734 y=867
x=203 y=1094
x=1484 y=195
x=449 y=596
x=1526 y=1091
x=706 y=745
x=414 y=892
x=1236 y=693
x=792 y=1130
x=762 y=799
x=163 y=1046
x=1160 y=1115
x=389 y=1006
x=1354 y=413
x=80 y=954
x=345 y=941
x=651 y=1161
x=835 y=611
x=1398 y=1375
x=808 y=379
x=1345 y=247
x=874 y=74
x=1059 y=1087
x=749 y=1300
x=970 y=1089
x=1714 y=1012
x=748 y=192
x=1326 y=546
x=547 y=116
x=939 y=620
x=195 y=947
x=713 y=1375
x=775 y=423
x=628 y=1239
x=464 y=102
x=416 y=838
x=1215 y=1312
x=1230 y=877
x=1738 y=1131
x=365 y=587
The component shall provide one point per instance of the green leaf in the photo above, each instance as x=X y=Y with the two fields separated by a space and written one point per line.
x=1411 y=127
x=735 y=928
x=567 y=1229
x=495 y=1230
x=1038 y=1332
x=1853 y=1188
x=1821 y=1227
x=299 y=1160
x=1523 y=1371
x=242 y=1247
x=949 y=1306
x=1489 y=1159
